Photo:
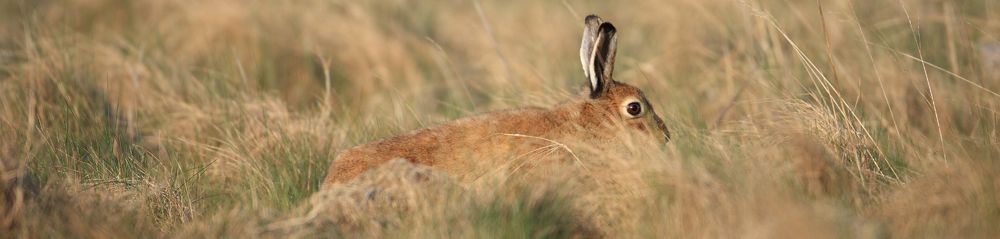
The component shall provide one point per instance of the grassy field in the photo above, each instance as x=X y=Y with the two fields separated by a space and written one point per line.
x=219 y=118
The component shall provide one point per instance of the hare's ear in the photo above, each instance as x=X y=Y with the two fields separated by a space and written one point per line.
x=592 y=23
x=602 y=59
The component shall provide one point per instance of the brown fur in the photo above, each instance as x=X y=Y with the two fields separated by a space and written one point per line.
x=483 y=142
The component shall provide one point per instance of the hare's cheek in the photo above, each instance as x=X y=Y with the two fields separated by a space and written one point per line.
x=640 y=126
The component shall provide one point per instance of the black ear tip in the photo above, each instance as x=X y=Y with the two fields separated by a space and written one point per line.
x=607 y=28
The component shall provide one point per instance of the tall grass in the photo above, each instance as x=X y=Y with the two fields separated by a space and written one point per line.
x=219 y=118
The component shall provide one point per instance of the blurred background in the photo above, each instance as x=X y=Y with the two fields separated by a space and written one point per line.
x=219 y=118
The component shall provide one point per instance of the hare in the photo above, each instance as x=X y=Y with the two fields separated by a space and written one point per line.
x=457 y=146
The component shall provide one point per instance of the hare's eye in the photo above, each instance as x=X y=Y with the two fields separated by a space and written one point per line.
x=634 y=108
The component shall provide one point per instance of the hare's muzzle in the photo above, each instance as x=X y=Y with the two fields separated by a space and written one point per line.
x=662 y=127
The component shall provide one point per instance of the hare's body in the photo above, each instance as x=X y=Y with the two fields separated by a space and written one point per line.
x=436 y=146
x=469 y=144
x=483 y=142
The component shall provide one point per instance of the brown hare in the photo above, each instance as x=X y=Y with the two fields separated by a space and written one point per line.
x=605 y=108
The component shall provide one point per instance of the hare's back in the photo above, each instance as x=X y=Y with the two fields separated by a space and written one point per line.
x=455 y=147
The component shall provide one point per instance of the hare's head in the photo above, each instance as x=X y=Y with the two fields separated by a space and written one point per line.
x=597 y=54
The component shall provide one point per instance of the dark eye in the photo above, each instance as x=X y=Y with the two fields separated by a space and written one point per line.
x=634 y=108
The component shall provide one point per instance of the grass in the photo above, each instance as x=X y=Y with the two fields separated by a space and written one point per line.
x=870 y=119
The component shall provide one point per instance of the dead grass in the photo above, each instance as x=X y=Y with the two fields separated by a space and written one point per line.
x=219 y=118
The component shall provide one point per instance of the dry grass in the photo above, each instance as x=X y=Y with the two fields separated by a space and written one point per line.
x=218 y=118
